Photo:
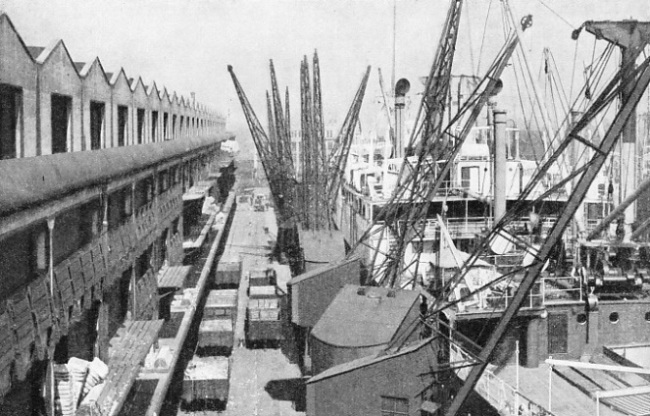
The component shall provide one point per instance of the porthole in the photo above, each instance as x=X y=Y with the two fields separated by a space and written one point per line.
x=582 y=318
x=613 y=317
x=647 y=316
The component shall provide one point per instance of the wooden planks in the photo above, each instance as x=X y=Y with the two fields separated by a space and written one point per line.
x=126 y=353
x=173 y=276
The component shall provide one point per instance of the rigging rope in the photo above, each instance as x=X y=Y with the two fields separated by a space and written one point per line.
x=573 y=68
x=469 y=37
x=480 y=52
x=557 y=14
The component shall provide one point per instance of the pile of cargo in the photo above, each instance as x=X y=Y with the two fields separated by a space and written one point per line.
x=263 y=323
x=206 y=383
x=77 y=382
x=229 y=270
x=216 y=329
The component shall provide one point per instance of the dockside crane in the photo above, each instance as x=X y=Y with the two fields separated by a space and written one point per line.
x=394 y=219
x=341 y=150
x=630 y=81
x=322 y=172
x=421 y=176
x=277 y=171
x=306 y=199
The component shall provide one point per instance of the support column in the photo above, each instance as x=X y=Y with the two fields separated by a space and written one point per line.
x=50 y=227
x=499 y=176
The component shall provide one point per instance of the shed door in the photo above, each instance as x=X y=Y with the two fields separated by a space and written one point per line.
x=557 y=333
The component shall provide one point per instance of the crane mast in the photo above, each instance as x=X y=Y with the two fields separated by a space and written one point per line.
x=437 y=88
x=429 y=131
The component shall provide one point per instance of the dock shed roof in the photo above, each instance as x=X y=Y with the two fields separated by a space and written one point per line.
x=362 y=316
x=369 y=360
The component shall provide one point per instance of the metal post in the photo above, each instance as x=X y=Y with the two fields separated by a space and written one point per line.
x=499 y=176
x=550 y=385
x=517 y=376
x=597 y=403
x=50 y=227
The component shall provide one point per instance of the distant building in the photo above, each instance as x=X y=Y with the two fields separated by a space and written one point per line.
x=51 y=104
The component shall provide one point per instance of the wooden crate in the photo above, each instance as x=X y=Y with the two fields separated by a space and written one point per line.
x=221 y=304
x=206 y=378
x=216 y=333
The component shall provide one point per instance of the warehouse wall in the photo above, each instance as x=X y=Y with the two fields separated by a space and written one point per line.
x=95 y=88
x=57 y=75
x=27 y=85
x=17 y=69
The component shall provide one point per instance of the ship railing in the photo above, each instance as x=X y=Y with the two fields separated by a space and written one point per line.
x=561 y=288
x=505 y=398
x=468 y=227
x=545 y=291
x=500 y=301
x=458 y=227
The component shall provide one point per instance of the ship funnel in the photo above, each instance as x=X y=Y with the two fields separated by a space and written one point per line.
x=401 y=88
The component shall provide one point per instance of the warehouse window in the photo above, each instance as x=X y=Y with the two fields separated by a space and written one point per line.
x=122 y=117
x=173 y=126
x=140 y=125
x=61 y=120
x=394 y=406
x=96 y=125
x=10 y=120
x=165 y=126
x=154 y=126
x=181 y=127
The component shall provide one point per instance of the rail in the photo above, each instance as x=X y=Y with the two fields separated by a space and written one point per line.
x=546 y=291
x=469 y=227
x=506 y=399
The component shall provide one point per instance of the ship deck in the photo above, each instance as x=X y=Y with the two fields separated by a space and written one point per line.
x=573 y=390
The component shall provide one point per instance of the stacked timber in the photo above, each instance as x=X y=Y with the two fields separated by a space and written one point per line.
x=74 y=381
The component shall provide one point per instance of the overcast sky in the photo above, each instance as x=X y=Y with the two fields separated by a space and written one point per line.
x=187 y=44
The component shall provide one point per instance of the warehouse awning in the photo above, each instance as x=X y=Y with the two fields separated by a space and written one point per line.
x=173 y=276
